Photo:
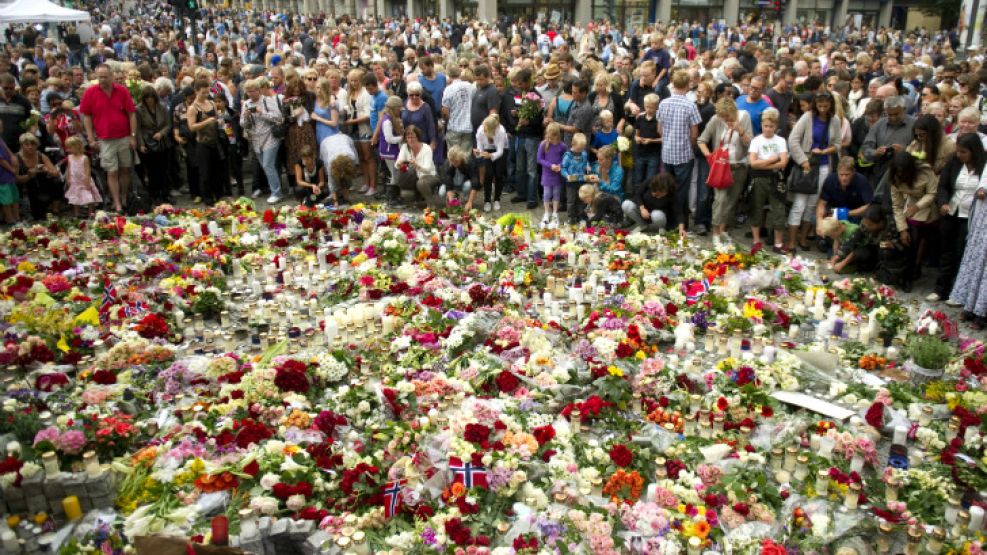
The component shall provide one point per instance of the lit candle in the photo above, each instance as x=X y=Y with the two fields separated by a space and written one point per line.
x=50 y=461
x=73 y=511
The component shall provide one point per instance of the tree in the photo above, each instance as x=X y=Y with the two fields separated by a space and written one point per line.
x=947 y=10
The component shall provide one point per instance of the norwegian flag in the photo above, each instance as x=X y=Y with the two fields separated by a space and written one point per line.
x=467 y=473
x=109 y=296
x=392 y=497
x=135 y=309
x=694 y=290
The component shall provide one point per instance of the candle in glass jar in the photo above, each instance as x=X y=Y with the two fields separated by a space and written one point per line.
x=248 y=524
x=91 y=463
x=801 y=467
x=952 y=509
x=857 y=464
x=790 y=458
x=220 y=527
x=822 y=483
x=50 y=461
x=793 y=331
x=852 y=495
x=936 y=539
x=884 y=537
x=695 y=546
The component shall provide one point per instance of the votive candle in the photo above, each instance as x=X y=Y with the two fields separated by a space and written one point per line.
x=73 y=511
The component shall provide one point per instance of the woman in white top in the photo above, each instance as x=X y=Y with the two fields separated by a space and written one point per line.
x=355 y=104
x=958 y=184
x=416 y=170
x=491 y=144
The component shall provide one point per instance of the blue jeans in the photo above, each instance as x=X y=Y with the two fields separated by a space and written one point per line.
x=704 y=195
x=683 y=178
x=645 y=167
x=526 y=164
x=269 y=162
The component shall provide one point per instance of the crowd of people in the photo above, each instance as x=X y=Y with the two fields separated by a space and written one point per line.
x=865 y=143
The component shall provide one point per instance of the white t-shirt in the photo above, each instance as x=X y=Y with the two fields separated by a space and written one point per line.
x=766 y=148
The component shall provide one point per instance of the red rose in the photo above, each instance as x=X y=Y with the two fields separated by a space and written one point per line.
x=624 y=350
x=252 y=468
x=722 y=404
x=290 y=379
x=875 y=415
x=548 y=454
x=476 y=433
x=621 y=455
x=152 y=326
x=769 y=547
x=544 y=434
x=104 y=377
x=251 y=432
x=507 y=382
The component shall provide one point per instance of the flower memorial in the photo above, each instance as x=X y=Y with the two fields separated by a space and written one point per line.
x=360 y=381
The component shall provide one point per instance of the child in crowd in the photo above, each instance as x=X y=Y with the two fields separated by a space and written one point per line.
x=600 y=207
x=310 y=174
x=80 y=189
x=574 y=167
x=839 y=231
x=647 y=160
x=550 y=153
x=768 y=157
x=606 y=134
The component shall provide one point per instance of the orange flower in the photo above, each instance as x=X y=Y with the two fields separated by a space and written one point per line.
x=624 y=487
x=702 y=529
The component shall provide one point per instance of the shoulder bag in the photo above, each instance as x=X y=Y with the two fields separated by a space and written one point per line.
x=719 y=165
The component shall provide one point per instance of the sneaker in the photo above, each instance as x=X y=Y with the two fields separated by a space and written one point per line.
x=932 y=297
x=554 y=223
x=544 y=221
x=274 y=199
x=496 y=205
x=702 y=230
x=532 y=205
x=952 y=303
x=717 y=244
x=256 y=194
x=371 y=192
x=486 y=206
x=197 y=200
x=779 y=249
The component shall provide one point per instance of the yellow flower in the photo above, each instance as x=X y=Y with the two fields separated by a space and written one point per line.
x=25 y=267
x=640 y=355
x=614 y=371
x=726 y=364
x=752 y=312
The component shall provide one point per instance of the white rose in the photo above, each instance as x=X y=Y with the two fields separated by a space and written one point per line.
x=295 y=502
x=269 y=480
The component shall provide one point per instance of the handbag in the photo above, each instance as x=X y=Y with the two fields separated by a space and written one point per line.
x=804 y=182
x=280 y=130
x=719 y=165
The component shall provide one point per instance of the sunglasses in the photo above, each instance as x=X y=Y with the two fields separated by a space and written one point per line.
x=413 y=95
x=311 y=79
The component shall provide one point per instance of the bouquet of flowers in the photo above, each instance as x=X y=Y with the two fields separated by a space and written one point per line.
x=532 y=107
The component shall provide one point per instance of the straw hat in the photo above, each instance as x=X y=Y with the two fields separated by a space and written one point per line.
x=552 y=72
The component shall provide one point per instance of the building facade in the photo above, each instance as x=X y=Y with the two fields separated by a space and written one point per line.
x=627 y=13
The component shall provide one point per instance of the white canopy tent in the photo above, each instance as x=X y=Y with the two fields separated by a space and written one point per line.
x=39 y=11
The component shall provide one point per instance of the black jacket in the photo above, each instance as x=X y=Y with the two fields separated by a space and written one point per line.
x=947 y=180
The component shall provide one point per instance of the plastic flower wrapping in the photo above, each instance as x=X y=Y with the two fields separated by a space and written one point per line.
x=364 y=381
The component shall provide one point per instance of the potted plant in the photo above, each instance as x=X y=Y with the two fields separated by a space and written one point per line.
x=929 y=356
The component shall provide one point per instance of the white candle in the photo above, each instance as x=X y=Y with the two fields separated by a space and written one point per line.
x=818 y=312
x=865 y=335
x=50 y=461
x=900 y=435
x=793 y=331
x=572 y=258
x=91 y=461
x=976 y=518
x=9 y=539
x=807 y=300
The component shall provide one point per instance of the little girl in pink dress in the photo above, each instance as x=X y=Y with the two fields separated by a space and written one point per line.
x=80 y=189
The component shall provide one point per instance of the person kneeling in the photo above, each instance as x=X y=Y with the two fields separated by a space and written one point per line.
x=416 y=168
x=600 y=207
x=864 y=247
x=651 y=208
x=310 y=176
